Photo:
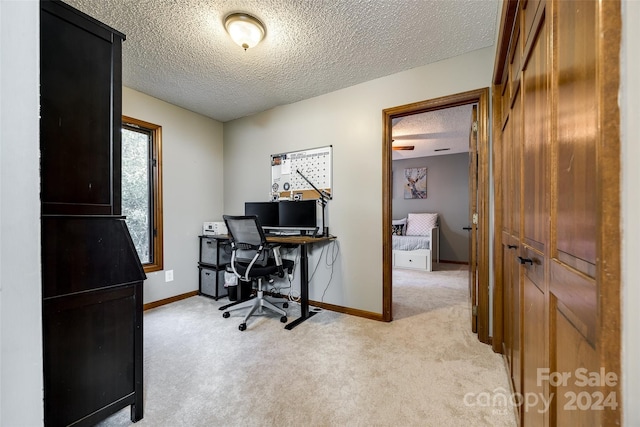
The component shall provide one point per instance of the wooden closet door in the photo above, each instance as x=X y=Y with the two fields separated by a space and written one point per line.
x=561 y=214
x=574 y=211
x=535 y=214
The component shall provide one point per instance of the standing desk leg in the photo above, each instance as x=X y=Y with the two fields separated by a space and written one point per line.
x=304 y=290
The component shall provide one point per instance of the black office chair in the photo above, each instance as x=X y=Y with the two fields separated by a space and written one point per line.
x=252 y=258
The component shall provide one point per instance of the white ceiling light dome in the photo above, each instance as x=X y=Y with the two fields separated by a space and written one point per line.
x=245 y=30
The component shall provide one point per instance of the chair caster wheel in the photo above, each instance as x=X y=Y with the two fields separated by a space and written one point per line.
x=285 y=305
x=242 y=326
x=283 y=319
x=226 y=314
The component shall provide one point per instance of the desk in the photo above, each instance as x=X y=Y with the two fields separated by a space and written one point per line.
x=303 y=242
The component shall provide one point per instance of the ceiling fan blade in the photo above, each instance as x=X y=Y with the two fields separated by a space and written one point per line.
x=403 y=147
x=428 y=135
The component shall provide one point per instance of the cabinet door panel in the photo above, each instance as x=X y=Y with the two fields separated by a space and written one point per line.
x=574 y=352
x=507 y=304
x=507 y=194
x=536 y=141
x=572 y=284
x=85 y=338
x=516 y=162
x=577 y=131
x=516 y=319
x=77 y=123
x=515 y=66
x=533 y=335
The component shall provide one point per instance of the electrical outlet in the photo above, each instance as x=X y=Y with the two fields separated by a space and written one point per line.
x=168 y=276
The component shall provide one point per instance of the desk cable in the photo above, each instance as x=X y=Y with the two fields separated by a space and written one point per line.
x=334 y=251
x=330 y=254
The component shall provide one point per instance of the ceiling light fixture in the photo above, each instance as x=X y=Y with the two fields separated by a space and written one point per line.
x=246 y=30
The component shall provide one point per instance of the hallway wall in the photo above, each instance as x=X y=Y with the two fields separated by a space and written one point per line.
x=351 y=121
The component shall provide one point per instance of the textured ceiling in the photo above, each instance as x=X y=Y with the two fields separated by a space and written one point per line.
x=178 y=50
x=431 y=131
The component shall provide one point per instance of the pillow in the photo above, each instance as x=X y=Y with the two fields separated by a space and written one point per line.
x=397 y=229
x=398 y=226
x=420 y=224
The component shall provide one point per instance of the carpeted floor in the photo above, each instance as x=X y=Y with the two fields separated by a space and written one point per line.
x=425 y=368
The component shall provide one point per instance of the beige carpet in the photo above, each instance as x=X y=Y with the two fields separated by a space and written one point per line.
x=332 y=370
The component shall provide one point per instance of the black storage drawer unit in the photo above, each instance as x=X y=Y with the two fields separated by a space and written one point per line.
x=215 y=256
x=215 y=251
x=212 y=282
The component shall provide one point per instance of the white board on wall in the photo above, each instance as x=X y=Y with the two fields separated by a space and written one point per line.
x=289 y=170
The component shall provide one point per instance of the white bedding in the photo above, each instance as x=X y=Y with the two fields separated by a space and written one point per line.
x=410 y=243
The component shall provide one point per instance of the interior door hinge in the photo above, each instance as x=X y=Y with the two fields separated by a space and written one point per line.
x=474 y=310
x=474 y=127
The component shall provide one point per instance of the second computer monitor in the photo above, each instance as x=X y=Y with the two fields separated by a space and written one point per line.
x=297 y=214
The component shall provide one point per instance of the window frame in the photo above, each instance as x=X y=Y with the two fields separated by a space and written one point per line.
x=157 y=264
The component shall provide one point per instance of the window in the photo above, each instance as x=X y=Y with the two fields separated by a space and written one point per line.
x=142 y=189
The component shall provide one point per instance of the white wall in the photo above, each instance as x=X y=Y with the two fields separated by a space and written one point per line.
x=192 y=167
x=447 y=195
x=630 y=130
x=20 y=276
x=351 y=120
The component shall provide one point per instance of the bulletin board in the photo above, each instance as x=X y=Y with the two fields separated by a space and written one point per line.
x=287 y=170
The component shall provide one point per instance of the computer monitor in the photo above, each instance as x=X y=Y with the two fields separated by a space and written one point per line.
x=267 y=212
x=297 y=214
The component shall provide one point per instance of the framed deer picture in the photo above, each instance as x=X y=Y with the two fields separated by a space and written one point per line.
x=415 y=186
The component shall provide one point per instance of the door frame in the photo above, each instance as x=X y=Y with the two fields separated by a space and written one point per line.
x=473 y=210
x=480 y=97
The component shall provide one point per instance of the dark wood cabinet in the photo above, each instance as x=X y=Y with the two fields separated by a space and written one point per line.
x=91 y=274
x=92 y=319
x=81 y=113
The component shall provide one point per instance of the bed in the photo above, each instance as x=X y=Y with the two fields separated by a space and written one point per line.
x=415 y=241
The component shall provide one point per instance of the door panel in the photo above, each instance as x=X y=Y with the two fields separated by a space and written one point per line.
x=507 y=308
x=577 y=297
x=473 y=212
x=529 y=13
x=507 y=184
x=536 y=140
x=516 y=162
x=573 y=399
x=577 y=128
x=533 y=319
x=571 y=281
x=511 y=308
x=516 y=317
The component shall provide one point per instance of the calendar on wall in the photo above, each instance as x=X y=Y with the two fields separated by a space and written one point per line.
x=289 y=170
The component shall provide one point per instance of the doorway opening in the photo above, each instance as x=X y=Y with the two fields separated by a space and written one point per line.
x=479 y=284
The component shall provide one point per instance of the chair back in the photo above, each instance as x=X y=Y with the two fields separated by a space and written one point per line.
x=247 y=239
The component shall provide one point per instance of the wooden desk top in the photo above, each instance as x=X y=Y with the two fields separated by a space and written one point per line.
x=298 y=240
x=293 y=240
